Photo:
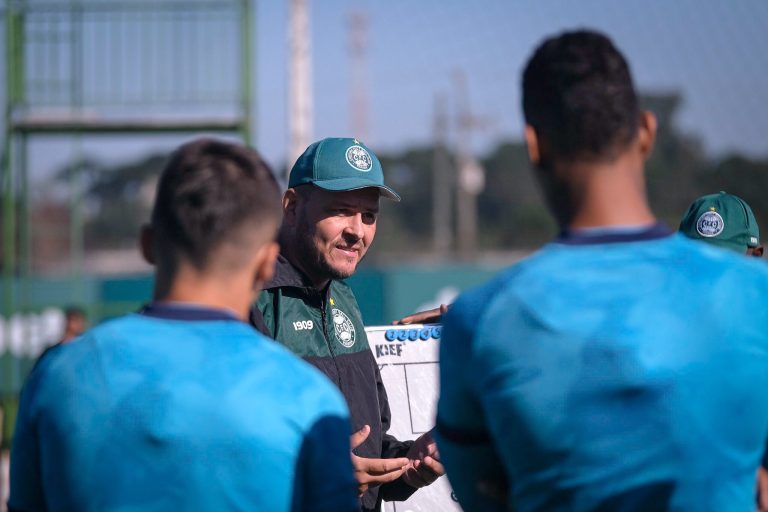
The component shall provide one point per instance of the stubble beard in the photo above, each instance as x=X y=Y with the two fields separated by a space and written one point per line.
x=314 y=261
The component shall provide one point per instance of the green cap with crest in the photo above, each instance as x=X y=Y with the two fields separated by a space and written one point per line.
x=722 y=219
x=340 y=164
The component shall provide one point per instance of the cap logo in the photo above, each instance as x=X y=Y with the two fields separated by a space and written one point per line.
x=359 y=158
x=710 y=224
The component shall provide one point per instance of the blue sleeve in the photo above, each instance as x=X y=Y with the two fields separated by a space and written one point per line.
x=465 y=444
x=325 y=479
x=26 y=480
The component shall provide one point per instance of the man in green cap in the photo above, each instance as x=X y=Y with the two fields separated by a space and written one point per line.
x=723 y=220
x=330 y=212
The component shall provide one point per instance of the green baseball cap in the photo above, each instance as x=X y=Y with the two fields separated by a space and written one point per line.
x=723 y=220
x=339 y=164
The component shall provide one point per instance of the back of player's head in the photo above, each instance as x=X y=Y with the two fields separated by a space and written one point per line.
x=213 y=193
x=579 y=98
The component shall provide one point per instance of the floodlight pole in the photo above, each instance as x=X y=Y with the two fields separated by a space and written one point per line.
x=299 y=81
x=246 y=22
x=443 y=181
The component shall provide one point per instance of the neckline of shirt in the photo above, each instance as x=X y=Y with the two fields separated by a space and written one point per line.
x=614 y=234
x=185 y=311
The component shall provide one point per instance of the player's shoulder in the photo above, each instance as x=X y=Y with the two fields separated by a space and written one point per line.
x=472 y=302
x=120 y=327
x=297 y=378
x=83 y=345
x=710 y=262
x=60 y=368
x=467 y=311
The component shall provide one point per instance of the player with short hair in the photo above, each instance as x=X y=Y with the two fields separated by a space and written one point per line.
x=621 y=367
x=723 y=220
x=183 y=406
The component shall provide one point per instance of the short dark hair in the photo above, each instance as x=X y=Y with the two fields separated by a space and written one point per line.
x=579 y=97
x=207 y=193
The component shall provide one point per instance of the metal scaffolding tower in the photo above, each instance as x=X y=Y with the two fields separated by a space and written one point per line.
x=83 y=67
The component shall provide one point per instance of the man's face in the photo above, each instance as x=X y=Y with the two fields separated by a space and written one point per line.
x=334 y=230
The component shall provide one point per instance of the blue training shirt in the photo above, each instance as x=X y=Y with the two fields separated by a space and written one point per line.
x=610 y=371
x=180 y=408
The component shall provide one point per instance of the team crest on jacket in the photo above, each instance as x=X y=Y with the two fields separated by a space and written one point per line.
x=343 y=328
x=359 y=158
x=710 y=224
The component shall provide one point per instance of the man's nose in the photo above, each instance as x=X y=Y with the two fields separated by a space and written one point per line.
x=355 y=225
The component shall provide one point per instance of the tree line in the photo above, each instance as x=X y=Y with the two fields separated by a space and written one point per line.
x=510 y=211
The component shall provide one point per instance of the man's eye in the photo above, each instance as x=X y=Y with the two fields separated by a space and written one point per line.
x=369 y=217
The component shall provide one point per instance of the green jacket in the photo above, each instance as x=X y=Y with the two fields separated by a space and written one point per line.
x=326 y=329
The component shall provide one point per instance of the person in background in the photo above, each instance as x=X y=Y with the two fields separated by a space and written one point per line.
x=622 y=366
x=727 y=221
x=723 y=220
x=183 y=406
x=75 y=323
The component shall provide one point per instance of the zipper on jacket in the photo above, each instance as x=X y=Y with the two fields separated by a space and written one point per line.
x=323 y=307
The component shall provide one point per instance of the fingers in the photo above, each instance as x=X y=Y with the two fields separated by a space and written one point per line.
x=423 y=317
x=369 y=472
x=415 y=479
x=432 y=464
x=405 y=320
x=359 y=437
x=386 y=477
x=380 y=467
x=422 y=447
x=423 y=472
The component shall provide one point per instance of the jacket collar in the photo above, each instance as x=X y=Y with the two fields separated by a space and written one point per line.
x=185 y=311
x=286 y=274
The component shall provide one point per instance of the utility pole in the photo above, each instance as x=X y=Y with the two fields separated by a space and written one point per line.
x=471 y=177
x=299 y=81
x=358 y=45
x=442 y=182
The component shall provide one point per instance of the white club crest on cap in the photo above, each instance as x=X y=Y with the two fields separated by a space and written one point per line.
x=359 y=158
x=710 y=224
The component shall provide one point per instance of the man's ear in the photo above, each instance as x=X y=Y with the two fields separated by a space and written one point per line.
x=147 y=243
x=290 y=203
x=647 y=133
x=264 y=264
x=532 y=143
